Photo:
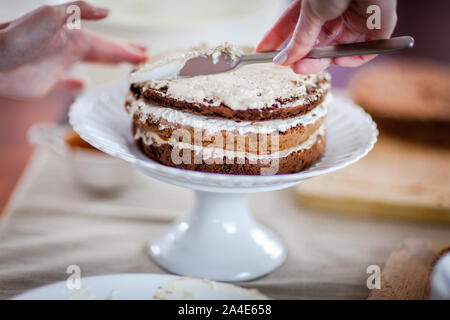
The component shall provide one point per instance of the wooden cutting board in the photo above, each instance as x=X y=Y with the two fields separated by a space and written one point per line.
x=397 y=178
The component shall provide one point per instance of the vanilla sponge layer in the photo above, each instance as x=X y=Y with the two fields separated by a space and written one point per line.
x=150 y=137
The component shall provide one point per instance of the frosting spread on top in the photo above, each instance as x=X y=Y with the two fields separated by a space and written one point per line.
x=253 y=86
x=228 y=49
x=168 y=66
x=163 y=68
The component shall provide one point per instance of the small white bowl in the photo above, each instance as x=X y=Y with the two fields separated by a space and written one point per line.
x=93 y=170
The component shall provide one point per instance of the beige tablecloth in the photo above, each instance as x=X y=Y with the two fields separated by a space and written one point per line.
x=51 y=223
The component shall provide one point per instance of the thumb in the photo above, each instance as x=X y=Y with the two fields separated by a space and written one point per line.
x=86 y=11
x=313 y=15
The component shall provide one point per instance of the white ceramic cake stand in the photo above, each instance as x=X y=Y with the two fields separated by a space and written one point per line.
x=218 y=239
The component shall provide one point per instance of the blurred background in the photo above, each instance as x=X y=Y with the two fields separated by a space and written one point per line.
x=177 y=24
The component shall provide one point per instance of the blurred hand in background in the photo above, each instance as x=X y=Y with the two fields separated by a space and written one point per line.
x=318 y=22
x=37 y=49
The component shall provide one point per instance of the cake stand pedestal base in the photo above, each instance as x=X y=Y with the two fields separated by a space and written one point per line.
x=218 y=240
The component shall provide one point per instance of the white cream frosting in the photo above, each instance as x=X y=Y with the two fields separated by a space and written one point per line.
x=165 y=68
x=212 y=125
x=169 y=66
x=150 y=138
x=254 y=86
x=227 y=49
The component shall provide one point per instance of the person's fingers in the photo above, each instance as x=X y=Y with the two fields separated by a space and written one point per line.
x=70 y=83
x=307 y=66
x=282 y=29
x=329 y=31
x=28 y=36
x=353 y=61
x=4 y=25
x=357 y=17
x=303 y=39
x=111 y=51
x=347 y=35
x=68 y=88
x=57 y=16
x=355 y=30
x=87 y=11
x=140 y=47
x=313 y=15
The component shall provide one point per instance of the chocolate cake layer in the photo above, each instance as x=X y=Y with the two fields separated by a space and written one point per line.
x=256 y=143
x=252 y=93
x=294 y=162
x=222 y=111
x=254 y=136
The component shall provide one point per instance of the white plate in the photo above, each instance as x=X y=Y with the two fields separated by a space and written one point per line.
x=142 y=287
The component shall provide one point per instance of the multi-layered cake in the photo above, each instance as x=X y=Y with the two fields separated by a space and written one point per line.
x=259 y=119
